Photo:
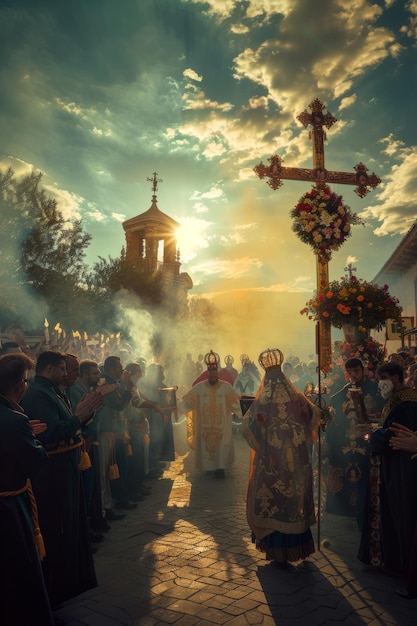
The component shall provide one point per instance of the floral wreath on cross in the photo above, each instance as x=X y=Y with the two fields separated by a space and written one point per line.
x=322 y=220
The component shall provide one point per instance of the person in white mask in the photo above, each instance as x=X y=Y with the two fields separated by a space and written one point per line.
x=391 y=513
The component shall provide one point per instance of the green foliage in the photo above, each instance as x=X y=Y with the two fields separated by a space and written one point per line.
x=42 y=254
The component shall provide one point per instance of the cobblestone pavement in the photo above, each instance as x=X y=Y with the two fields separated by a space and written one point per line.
x=185 y=557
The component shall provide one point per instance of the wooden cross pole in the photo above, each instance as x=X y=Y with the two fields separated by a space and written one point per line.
x=275 y=173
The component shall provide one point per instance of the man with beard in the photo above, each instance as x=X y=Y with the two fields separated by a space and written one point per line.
x=210 y=423
x=68 y=565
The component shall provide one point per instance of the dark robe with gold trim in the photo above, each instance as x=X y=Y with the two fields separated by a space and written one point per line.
x=23 y=596
x=68 y=565
x=391 y=513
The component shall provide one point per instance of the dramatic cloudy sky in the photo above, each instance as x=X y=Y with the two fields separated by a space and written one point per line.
x=98 y=95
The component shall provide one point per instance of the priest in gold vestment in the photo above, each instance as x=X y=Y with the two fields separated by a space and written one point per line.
x=209 y=424
x=278 y=427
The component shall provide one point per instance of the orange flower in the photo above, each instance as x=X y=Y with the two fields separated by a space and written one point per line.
x=360 y=298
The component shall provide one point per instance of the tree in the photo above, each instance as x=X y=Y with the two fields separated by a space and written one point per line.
x=43 y=254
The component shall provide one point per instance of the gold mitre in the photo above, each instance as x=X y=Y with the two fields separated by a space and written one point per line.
x=212 y=360
x=228 y=359
x=270 y=358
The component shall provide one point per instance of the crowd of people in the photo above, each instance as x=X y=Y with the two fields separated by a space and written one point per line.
x=81 y=440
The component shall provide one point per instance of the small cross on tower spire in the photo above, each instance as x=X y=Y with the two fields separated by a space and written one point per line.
x=154 y=180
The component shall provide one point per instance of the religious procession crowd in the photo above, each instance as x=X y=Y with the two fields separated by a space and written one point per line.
x=82 y=439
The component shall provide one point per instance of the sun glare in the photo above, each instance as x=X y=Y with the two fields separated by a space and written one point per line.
x=191 y=237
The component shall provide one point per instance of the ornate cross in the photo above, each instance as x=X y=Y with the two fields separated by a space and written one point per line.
x=154 y=180
x=350 y=269
x=275 y=172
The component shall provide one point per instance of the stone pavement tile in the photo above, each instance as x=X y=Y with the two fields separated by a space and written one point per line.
x=237 y=593
x=211 y=584
x=162 y=587
x=213 y=615
x=245 y=621
x=246 y=604
x=165 y=616
x=219 y=602
x=203 y=612
x=233 y=610
x=201 y=597
x=254 y=617
x=188 y=620
x=148 y=620
x=102 y=620
x=176 y=591
x=257 y=596
x=188 y=582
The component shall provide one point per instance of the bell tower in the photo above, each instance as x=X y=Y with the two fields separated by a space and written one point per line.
x=151 y=243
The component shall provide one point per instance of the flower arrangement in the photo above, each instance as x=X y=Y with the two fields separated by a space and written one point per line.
x=354 y=301
x=322 y=220
x=370 y=352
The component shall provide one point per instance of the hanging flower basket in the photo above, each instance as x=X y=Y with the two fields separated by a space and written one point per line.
x=372 y=353
x=322 y=220
x=354 y=301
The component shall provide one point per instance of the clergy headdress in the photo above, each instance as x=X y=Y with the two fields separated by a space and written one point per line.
x=228 y=359
x=271 y=358
x=212 y=360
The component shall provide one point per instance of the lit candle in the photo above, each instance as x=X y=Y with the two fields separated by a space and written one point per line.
x=57 y=331
x=46 y=326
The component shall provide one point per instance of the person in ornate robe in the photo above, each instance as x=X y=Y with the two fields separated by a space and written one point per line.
x=346 y=451
x=209 y=425
x=23 y=596
x=278 y=427
x=391 y=506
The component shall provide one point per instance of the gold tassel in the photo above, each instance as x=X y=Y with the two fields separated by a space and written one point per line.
x=85 y=462
x=114 y=471
x=40 y=546
x=129 y=451
x=37 y=535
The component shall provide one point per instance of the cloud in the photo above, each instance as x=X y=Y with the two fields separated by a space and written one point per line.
x=224 y=9
x=313 y=53
x=119 y=217
x=347 y=102
x=192 y=75
x=398 y=198
x=70 y=204
x=410 y=29
x=212 y=194
x=225 y=268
